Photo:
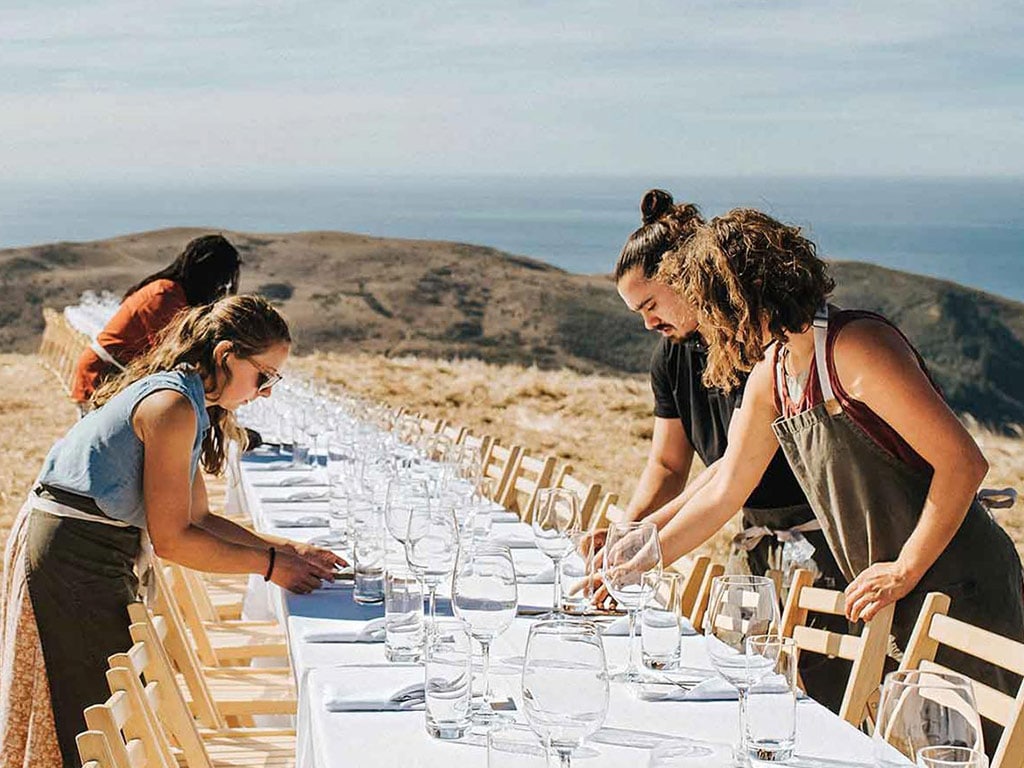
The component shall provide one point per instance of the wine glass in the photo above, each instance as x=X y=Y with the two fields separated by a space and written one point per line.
x=565 y=684
x=556 y=516
x=920 y=709
x=485 y=596
x=632 y=563
x=740 y=607
x=430 y=546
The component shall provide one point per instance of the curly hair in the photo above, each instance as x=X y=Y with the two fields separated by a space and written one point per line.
x=753 y=280
x=664 y=225
x=249 y=323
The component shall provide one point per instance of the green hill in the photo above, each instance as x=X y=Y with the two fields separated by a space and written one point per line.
x=350 y=292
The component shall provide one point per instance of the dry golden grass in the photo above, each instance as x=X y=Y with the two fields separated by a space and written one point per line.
x=601 y=425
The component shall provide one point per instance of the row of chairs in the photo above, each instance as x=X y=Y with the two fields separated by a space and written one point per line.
x=61 y=346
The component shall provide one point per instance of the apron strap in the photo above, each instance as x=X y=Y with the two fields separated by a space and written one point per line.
x=104 y=355
x=828 y=396
x=749 y=538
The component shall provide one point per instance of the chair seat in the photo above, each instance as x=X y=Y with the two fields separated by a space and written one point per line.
x=244 y=692
x=247 y=751
x=242 y=640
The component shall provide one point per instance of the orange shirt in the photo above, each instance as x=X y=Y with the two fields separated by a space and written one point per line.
x=131 y=332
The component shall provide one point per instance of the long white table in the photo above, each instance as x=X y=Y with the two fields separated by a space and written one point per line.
x=329 y=739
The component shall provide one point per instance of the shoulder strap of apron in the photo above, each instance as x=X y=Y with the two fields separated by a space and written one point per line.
x=828 y=396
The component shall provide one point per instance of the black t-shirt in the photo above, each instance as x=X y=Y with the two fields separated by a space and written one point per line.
x=679 y=393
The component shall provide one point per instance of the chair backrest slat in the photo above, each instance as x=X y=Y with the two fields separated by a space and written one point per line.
x=825 y=643
x=529 y=475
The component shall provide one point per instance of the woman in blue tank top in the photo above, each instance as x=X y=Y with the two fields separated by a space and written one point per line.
x=126 y=472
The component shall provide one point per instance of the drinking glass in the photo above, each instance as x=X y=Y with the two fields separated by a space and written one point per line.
x=368 y=564
x=920 y=709
x=403 y=617
x=740 y=607
x=771 y=698
x=577 y=587
x=485 y=596
x=430 y=547
x=565 y=684
x=951 y=757
x=660 y=626
x=556 y=516
x=448 y=671
x=632 y=563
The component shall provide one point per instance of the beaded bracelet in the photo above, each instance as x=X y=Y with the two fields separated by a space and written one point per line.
x=270 y=567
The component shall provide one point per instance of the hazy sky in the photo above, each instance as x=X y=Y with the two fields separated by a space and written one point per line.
x=236 y=91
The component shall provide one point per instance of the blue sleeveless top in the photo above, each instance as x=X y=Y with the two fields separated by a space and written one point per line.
x=101 y=456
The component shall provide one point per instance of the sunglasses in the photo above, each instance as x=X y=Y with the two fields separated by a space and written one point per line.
x=267 y=377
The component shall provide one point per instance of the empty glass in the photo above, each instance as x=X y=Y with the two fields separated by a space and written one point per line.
x=448 y=671
x=660 y=625
x=556 y=516
x=740 y=607
x=951 y=757
x=632 y=563
x=920 y=709
x=577 y=587
x=771 y=698
x=430 y=547
x=485 y=596
x=403 y=617
x=565 y=684
x=368 y=563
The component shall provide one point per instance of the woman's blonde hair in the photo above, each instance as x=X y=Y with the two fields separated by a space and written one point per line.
x=249 y=323
x=753 y=280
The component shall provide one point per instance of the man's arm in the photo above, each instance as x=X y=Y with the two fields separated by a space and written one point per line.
x=668 y=466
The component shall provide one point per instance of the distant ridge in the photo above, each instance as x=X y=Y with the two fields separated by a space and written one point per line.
x=440 y=299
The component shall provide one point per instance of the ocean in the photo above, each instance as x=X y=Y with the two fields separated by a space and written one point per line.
x=970 y=231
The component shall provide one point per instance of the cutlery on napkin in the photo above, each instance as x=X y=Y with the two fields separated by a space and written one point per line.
x=545 y=575
x=711 y=689
x=513 y=536
x=298 y=496
x=375 y=699
x=343 y=631
x=288 y=480
x=306 y=521
x=620 y=628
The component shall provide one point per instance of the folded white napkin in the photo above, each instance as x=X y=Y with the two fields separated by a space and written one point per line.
x=288 y=479
x=620 y=627
x=501 y=515
x=713 y=689
x=306 y=494
x=534 y=598
x=513 y=535
x=305 y=521
x=274 y=466
x=376 y=689
x=546 y=575
x=312 y=630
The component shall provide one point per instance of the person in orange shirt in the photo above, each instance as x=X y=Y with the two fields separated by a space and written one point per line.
x=206 y=270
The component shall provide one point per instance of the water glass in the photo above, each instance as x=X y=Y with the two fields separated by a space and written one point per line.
x=920 y=709
x=660 y=624
x=951 y=757
x=632 y=564
x=565 y=684
x=577 y=586
x=448 y=676
x=338 y=512
x=403 y=617
x=368 y=562
x=771 y=698
x=300 y=447
x=515 y=746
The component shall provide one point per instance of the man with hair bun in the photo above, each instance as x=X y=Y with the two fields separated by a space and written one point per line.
x=691 y=418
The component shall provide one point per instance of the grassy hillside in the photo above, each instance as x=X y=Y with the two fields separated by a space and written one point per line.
x=348 y=293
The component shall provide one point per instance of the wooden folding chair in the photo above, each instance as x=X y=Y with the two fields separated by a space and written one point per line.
x=529 y=475
x=693 y=581
x=148 y=724
x=222 y=643
x=866 y=651
x=935 y=629
x=700 y=604
x=498 y=463
x=93 y=750
x=218 y=696
x=607 y=511
x=589 y=495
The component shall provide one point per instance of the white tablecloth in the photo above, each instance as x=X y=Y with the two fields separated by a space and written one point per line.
x=329 y=739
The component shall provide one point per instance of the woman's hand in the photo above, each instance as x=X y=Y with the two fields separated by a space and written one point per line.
x=325 y=558
x=876 y=587
x=297 y=573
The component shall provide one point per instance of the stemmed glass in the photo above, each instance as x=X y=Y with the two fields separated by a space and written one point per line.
x=431 y=542
x=565 y=684
x=630 y=570
x=951 y=757
x=920 y=709
x=556 y=517
x=740 y=607
x=485 y=596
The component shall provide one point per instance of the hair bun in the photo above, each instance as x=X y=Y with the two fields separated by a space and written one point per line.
x=655 y=204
